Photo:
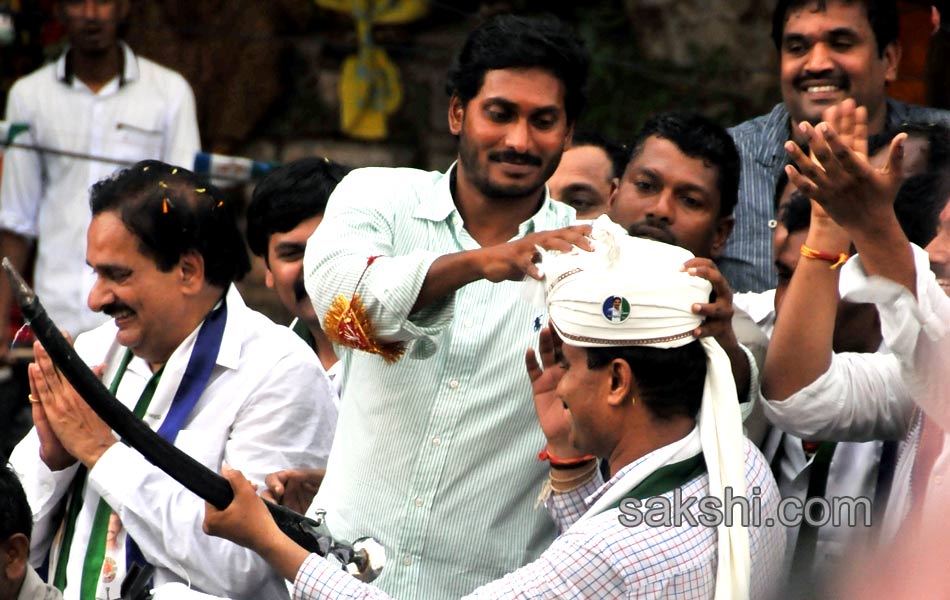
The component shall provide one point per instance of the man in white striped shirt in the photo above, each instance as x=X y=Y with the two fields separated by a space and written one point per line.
x=435 y=455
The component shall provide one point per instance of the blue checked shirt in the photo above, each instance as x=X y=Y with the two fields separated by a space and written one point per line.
x=436 y=455
x=747 y=258
x=602 y=558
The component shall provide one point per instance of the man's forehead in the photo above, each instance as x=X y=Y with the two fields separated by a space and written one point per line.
x=834 y=15
x=587 y=158
x=662 y=157
x=533 y=85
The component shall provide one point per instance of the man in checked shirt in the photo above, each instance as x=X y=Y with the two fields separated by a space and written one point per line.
x=643 y=392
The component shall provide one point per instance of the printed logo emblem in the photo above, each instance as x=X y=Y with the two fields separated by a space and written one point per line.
x=616 y=309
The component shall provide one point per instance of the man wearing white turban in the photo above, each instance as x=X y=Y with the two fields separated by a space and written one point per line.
x=640 y=391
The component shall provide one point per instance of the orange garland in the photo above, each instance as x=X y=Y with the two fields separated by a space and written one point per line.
x=347 y=324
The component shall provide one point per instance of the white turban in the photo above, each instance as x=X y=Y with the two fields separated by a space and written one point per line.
x=634 y=292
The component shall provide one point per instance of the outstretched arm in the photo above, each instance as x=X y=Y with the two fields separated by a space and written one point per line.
x=799 y=354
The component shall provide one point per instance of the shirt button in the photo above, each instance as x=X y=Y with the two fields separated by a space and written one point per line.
x=938 y=479
x=407 y=560
x=419 y=502
x=454 y=383
x=468 y=323
x=436 y=441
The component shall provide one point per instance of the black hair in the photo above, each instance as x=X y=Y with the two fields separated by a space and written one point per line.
x=171 y=212
x=882 y=16
x=288 y=195
x=670 y=380
x=515 y=42
x=15 y=514
x=698 y=137
x=797 y=213
x=936 y=133
x=918 y=204
x=618 y=154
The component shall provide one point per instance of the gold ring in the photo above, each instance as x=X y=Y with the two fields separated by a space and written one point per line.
x=32 y=399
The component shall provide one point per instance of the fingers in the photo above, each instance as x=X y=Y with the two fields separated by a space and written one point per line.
x=42 y=358
x=843 y=123
x=894 y=166
x=809 y=173
x=532 y=366
x=239 y=483
x=861 y=130
x=547 y=346
x=843 y=156
x=275 y=486
x=707 y=269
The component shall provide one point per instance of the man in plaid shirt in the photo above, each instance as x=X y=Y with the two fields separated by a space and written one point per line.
x=644 y=393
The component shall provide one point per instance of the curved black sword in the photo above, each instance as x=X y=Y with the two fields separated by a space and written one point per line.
x=364 y=559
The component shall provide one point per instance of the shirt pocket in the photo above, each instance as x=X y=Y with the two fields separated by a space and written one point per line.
x=138 y=139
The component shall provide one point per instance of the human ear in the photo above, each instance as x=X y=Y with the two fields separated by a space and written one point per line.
x=191 y=266
x=14 y=553
x=724 y=227
x=892 y=59
x=456 y=114
x=622 y=382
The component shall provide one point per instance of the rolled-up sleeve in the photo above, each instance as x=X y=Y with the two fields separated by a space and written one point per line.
x=917 y=330
x=355 y=251
x=861 y=397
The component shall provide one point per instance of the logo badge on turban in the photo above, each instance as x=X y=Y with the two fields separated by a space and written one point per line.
x=616 y=309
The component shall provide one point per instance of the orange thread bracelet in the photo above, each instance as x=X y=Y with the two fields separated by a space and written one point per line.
x=836 y=260
x=564 y=462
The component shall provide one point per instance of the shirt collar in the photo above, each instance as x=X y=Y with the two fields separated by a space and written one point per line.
x=129 y=71
x=897 y=113
x=440 y=205
x=590 y=500
x=229 y=355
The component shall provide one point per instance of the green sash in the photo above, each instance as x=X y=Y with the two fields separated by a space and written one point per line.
x=95 y=551
x=665 y=479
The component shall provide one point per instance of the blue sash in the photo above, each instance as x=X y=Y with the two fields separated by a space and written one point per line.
x=193 y=383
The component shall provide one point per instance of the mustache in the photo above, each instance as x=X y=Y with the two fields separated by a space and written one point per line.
x=300 y=291
x=840 y=80
x=114 y=308
x=654 y=229
x=515 y=158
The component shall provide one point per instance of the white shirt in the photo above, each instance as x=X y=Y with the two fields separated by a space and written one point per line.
x=853 y=471
x=147 y=113
x=334 y=374
x=917 y=329
x=265 y=408
x=436 y=455
x=760 y=306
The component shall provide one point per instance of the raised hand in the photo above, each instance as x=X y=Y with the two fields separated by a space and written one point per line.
x=67 y=427
x=839 y=176
x=515 y=260
x=553 y=417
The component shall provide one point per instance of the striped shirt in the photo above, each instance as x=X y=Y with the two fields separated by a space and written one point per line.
x=602 y=558
x=747 y=258
x=434 y=456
